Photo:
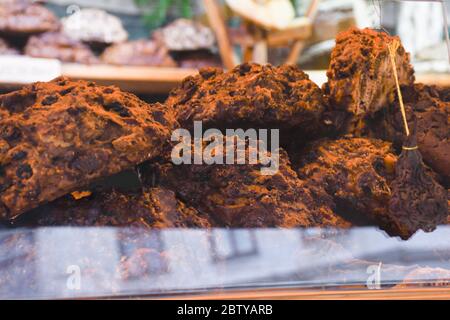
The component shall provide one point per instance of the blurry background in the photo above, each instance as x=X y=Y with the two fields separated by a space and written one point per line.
x=162 y=51
x=419 y=23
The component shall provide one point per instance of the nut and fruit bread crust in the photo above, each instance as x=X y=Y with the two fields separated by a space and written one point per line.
x=428 y=110
x=240 y=196
x=249 y=95
x=360 y=77
x=356 y=173
x=59 y=136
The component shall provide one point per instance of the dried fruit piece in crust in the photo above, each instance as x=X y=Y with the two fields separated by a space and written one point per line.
x=151 y=208
x=250 y=95
x=138 y=53
x=22 y=18
x=360 y=78
x=240 y=196
x=58 y=136
x=57 y=45
x=356 y=173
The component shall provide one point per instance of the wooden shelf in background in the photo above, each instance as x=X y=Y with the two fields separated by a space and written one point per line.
x=440 y=79
x=17 y=71
x=142 y=80
x=159 y=81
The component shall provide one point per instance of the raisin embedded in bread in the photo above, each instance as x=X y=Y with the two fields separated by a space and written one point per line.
x=250 y=95
x=151 y=208
x=57 y=45
x=360 y=77
x=58 y=136
x=138 y=53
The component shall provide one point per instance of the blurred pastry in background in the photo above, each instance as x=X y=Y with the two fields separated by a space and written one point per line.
x=138 y=53
x=95 y=27
x=197 y=59
x=360 y=77
x=20 y=19
x=57 y=45
x=184 y=34
x=5 y=49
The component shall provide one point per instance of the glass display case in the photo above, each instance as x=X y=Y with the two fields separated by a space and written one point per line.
x=247 y=263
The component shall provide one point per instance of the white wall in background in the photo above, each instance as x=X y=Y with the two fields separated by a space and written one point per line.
x=420 y=25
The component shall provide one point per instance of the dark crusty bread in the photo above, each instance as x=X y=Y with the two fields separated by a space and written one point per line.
x=360 y=77
x=240 y=196
x=355 y=172
x=149 y=208
x=58 y=136
x=250 y=94
x=428 y=110
x=361 y=174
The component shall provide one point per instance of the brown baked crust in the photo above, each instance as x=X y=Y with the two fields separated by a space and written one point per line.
x=360 y=78
x=353 y=172
x=151 y=208
x=428 y=109
x=26 y=18
x=250 y=95
x=363 y=177
x=240 y=196
x=138 y=53
x=58 y=136
x=57 y=45
x=417 y=201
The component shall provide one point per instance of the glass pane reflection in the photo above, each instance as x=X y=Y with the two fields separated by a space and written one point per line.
x=46 y=262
